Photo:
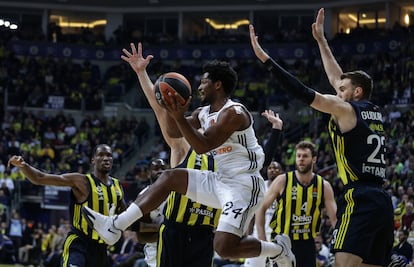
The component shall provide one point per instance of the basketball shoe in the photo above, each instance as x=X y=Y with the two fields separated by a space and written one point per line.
x=103 y=225
x=286 y=258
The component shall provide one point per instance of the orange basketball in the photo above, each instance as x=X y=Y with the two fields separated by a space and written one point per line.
x=172 y=82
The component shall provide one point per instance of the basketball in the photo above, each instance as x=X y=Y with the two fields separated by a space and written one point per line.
x=172 y=82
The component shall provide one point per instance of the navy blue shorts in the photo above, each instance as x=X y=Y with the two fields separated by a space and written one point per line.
x=305 y=253
x=365 y=223
x=82 y=252
x=185 y=246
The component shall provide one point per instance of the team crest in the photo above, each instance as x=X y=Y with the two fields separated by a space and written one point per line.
x=100 y=192
x=294 y=192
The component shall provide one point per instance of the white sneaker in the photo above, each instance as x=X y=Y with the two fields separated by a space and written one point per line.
x=103 y=225
x=286 y=258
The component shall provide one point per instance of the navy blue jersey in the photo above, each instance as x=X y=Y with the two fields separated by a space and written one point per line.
x=360 y=153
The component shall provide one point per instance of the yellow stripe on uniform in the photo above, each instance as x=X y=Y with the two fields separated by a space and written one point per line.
x=346 y=217
x=181 y=212
x=170 y=204
x=317 y=212
x=288 y=209
x=65 y=253
x=344 y=170
x=160 y=243
x=298 y=207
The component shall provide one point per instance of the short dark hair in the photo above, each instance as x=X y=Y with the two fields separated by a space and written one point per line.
x=222 y=71
x=98 y=146
x=307 y=145
x=361 y=79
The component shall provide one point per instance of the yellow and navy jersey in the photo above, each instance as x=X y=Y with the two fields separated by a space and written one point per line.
x=298 y=211
x=181 y=209
x=360 y=153
x=103 y=198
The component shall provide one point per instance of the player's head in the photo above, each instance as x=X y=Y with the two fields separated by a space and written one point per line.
x=156 y=168
x=305 y=156
x=355 y=85
x=221 y=71
x=102 y=159
x=273 y=170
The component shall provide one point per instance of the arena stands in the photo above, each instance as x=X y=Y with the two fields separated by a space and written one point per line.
x=59 y=142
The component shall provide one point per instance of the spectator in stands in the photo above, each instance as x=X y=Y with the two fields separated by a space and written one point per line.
x=142 y=131
x=46 y=245
x=48 y=165
x=410 y=238
x=2 y=169
x=7 y=249
x=408 y=217
x=403 y=248
x=70 y=130
x=127 y=254
x=31 y=252
x=408 y=170
x=47 y=152
x=8 y=182
x=4 y=199
x=16 y=232
x=56 y=247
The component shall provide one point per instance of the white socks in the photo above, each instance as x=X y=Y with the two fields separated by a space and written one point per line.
x=128 y=217
x=269 y=249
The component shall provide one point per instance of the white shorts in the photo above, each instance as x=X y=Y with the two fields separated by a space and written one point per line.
x=239 y=197
x=150 y=251
x=255 y=262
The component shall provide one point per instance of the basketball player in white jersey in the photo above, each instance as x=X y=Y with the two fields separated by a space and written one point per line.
x=237 y=187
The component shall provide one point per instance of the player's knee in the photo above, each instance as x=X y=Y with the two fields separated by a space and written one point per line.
x=225 y=249
x=174 y=180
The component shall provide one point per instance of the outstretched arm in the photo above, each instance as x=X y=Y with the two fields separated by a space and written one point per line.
x=139 y=64
x=325 y=103
x=41 y=178
x=169 y=129
x=271 y=144
x=331 y=66
x=296 y=87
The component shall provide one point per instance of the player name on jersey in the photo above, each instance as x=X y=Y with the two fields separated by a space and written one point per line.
x=377 y=171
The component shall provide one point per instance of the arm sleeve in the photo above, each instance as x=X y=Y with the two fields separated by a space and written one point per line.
x=290 y=83
x=271 y=145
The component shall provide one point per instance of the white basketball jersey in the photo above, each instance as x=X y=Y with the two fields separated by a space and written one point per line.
x=241 y=153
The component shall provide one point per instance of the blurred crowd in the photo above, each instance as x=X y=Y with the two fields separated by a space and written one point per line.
x=57 y=143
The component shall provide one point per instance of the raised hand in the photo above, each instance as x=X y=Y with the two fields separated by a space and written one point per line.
x=258 y=50
x=317 y=27
x=135 y=59
x=273 y=118
x=17 y=161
